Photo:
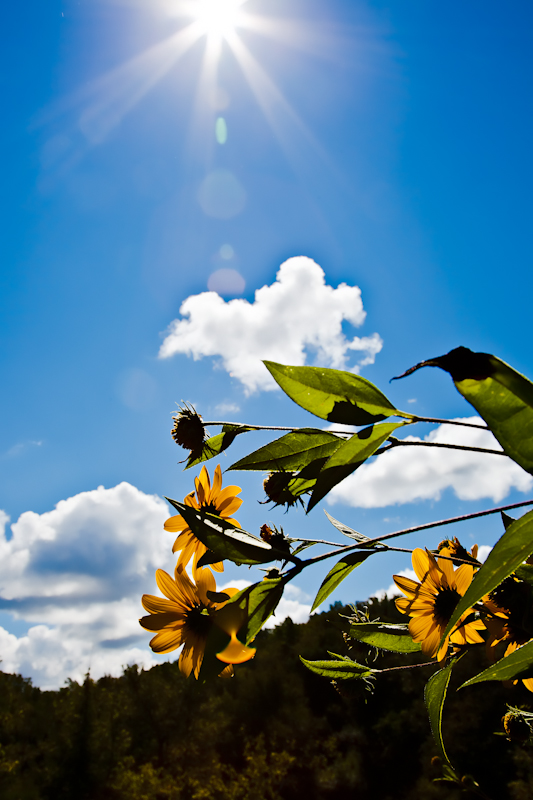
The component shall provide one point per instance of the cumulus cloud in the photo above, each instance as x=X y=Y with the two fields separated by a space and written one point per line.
x=76 y=574
x=407 y=474
x=296 y=317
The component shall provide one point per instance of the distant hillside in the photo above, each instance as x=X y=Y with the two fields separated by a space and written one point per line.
x=273 y=732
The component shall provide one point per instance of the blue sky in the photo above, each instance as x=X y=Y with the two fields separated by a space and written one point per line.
x=388 y=142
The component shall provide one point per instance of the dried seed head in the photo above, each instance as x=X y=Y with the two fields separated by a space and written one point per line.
x=516 y=727
x=188 y=430
x=457 y=552
x=277 y=489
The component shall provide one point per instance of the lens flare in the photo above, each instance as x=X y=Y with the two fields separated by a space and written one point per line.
x=218 y=18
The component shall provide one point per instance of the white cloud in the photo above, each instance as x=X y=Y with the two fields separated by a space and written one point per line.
x=393 y=590
x=76 y=575
x=483 y=552
x=227 y=408
x=296 y=316
x=407 y=474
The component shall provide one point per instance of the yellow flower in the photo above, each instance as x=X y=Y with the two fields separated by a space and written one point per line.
x=505 y=626
x=186 y=616
x=431 y=603
x=212 y=499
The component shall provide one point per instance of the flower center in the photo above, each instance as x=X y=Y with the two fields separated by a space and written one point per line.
x=197 y=622
x=445 y=603
x=210 y=508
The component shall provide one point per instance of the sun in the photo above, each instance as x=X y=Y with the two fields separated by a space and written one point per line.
x=218 y=18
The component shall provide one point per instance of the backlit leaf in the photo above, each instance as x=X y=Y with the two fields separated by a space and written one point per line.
x=335 y=576
x=226 y=540
x=515 y=665
x=291 y=452
x=216 y=444
x=509 y=552
x=349 y=456
x=501 y=395
x=333 y=394
x=339 y=670
x=395 y=637
x=434 y=696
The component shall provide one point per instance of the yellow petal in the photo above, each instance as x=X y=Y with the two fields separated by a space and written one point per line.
x=174 y=524
x=431 y=642
x=420 y=564
x=236 y=652
x=157 y=622
x=419 y=627
x=158 y=605
x=166 y=640
x=446 y=568
x=169 y=588
x=217 y=484
x=463 y=578
x=205 y=582
x=229 y=506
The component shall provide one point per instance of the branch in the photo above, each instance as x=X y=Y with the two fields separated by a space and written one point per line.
x=379 y=539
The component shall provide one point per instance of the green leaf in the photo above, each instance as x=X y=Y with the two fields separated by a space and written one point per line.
x=333 y=395
x=335 y=576
x=434 y=696
x=216 y=444
x=525 y=573
x=291 y=452
x=226 y=540
x=509 y=552
x=259 y=601
x=507 y=520
x=394 y=637
x=515 y=665
x=349 y=456
x=501 y=395
x=339 y=670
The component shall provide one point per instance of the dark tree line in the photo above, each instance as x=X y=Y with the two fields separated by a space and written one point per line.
x=273 y=732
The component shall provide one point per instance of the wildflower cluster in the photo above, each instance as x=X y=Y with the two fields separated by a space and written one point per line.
x=455 y=604
x=193 y=607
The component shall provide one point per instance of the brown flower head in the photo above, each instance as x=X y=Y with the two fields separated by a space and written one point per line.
x=188 y=430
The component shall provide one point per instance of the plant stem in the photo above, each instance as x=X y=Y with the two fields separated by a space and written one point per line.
x=395 y=442
x=379 y=539
x=449 y=422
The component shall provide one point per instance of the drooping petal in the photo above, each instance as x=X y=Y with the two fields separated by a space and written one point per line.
x=430 y=644
x=419 y=627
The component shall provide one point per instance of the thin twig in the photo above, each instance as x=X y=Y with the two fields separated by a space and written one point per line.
x=396 y=442
x=449 y=422
x=379 y=539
